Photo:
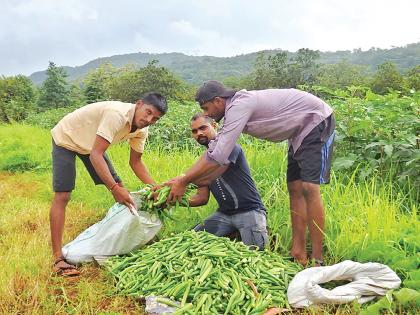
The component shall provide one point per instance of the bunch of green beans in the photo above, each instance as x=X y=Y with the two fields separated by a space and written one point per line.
x=159 y=206
x=206 y=274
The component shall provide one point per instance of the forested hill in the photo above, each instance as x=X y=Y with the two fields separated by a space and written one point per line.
x=196 y=69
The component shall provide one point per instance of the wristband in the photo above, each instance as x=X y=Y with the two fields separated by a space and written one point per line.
x=113 y=186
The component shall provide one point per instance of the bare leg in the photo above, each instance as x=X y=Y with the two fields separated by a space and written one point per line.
x=316 y=217
x=298 y=215
x=57 y=218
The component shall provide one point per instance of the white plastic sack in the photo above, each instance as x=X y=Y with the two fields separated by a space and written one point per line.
x=368 y=281
x=118 y=233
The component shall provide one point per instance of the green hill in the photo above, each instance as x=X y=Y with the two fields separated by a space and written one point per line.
x=196 y=69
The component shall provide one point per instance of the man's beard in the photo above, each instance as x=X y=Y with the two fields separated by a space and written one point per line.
x=203 y=141
x=219 y=118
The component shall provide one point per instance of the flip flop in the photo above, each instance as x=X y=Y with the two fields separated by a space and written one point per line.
x=65 y=271
x=316 y=262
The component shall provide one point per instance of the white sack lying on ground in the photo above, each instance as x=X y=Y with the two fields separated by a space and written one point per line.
x=118 y=233
x=367 y=281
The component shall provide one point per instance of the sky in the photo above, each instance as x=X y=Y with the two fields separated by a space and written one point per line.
x=73 y=32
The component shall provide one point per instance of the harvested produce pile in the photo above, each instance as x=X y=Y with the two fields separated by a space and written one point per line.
x=206 y=274
x=159 y=206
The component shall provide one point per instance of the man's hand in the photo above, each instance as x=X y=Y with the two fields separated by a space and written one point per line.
x=178 y=189
x=122 y=196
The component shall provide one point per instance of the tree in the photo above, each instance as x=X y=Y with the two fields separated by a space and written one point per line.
x=130 y=84
x=341 y=75
x=54 y=92
x=276 y=71
x=270 y=72
x=387 y=77
x=261 y=74
x=413 y=78
x=239 y=83
x=97 y=83
x=76 y=96
x=278 y=68
x=307 y=58
x=17 y=97
x=304 y=68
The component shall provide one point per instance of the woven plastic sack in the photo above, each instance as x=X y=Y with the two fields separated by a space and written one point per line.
x=367 y=281
x=118 y=233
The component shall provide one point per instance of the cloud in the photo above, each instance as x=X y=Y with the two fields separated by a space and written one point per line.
x=183 y=27
x=73 y=32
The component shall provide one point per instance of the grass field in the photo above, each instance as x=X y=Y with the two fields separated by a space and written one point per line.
x=366 y=221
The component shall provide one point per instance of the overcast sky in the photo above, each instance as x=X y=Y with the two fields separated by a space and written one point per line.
x=73 y=32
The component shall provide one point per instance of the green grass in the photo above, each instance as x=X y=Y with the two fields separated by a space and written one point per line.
x=365 y=221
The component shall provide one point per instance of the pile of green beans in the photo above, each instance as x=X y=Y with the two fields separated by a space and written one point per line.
x=206 y=274
x=159 y=206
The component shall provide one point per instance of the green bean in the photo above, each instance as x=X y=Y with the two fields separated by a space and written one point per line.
x=159 y=207
x=206 y=274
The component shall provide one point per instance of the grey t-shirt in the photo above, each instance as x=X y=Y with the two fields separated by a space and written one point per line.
x=235 y=190
x=273 y=114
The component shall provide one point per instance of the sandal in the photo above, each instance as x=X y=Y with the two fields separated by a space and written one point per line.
x=316 y=262
x=66 y=271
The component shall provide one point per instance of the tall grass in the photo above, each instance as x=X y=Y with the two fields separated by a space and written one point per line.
x=358 y=216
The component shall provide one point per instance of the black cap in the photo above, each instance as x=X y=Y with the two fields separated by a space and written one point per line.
x=211 y=89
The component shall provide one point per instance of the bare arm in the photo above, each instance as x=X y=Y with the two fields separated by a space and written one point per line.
x=203 y=172
x=96 y=157
x=201 y=198
x=139 y=168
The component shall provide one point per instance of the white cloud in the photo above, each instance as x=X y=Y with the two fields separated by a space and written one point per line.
x=183 y=27
x=72 y=32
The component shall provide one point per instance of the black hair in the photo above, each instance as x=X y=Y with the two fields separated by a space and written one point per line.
x=201 y=115
x=157 y=100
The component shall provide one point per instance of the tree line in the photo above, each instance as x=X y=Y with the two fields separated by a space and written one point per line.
x=19 y=97
x=280 y=71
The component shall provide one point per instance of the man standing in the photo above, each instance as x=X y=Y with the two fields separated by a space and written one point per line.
x=275 y=115
x=88 y=132
x=240 y=206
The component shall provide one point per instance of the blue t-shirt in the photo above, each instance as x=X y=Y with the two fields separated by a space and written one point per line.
x=235 y=190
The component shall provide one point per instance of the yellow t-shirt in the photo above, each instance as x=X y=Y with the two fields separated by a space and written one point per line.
x=111 y=120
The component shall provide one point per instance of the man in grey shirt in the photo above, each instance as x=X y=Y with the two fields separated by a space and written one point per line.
x=275 y=115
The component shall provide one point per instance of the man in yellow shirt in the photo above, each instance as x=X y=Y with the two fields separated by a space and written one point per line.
x=88 y=132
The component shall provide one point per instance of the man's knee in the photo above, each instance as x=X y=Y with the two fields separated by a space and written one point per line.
x=255 y=236
x=310 y=189
x=62 y=198
x=295 y=188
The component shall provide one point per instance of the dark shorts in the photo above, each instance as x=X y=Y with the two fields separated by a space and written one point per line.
x=251 y=225
x=312 y=161
x=64 y=168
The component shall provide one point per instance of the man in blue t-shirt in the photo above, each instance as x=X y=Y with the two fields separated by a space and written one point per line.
x=240 y=206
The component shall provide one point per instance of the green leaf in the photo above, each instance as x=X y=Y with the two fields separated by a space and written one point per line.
x=388 y=149
x=383 y=303
x=344 y=162
x=414 y=275
x=413 y=284
x=407 y=296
